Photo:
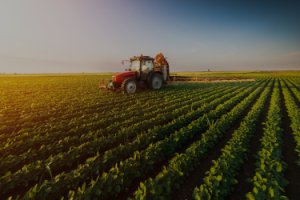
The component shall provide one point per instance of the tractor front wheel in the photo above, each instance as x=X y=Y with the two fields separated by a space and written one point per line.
x=129 y=86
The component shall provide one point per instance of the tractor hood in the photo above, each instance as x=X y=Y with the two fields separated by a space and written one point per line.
x=125 y=74
x=119 y=77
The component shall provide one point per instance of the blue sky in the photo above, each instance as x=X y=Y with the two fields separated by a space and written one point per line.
x=95 y=35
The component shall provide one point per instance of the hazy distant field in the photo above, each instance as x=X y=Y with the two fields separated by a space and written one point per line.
x=60 y=136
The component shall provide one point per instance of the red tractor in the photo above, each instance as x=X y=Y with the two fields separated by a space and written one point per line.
x=143 y=72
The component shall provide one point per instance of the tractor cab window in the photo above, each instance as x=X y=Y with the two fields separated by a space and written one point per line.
x=135 y=65
x=147 y=65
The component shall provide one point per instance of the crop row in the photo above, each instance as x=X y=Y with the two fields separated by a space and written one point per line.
x=33 y=110
x=125 y=174
x=58 y=163
x=172 y=177
x=98 y=162
x=77 y=125
x=101 y=104
x=220 y=178
x=296 y=83
x=293 y=89
x=268 y=181
x=89 y=135
x=52 y=147
x=85 y=110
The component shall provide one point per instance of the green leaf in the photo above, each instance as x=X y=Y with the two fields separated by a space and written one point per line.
x=219 y=178
x=250 y=196
x=279 y=168
x=255 y=191
x=271 y=192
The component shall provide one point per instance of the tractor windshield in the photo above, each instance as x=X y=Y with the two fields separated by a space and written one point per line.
x=135 y=65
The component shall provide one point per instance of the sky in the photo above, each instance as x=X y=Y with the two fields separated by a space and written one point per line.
x=61 y=36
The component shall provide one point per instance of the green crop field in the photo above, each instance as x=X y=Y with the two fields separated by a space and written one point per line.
x=63 y=138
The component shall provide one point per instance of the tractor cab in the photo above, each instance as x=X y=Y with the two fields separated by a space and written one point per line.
x=142 y=65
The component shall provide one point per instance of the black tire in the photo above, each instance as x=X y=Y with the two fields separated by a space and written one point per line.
x=129 y=86
x=156 y=81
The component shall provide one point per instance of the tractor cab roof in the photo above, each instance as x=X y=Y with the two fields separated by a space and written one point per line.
x=141 y=57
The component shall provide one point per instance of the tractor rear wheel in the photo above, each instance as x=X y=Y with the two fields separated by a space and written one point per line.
x=129 y=86
x=156 y=81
